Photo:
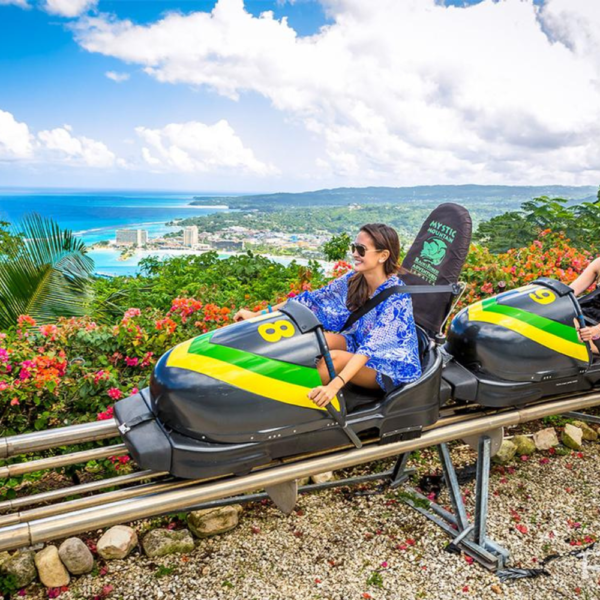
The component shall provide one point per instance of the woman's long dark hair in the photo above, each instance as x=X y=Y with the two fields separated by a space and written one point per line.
x=384 y=238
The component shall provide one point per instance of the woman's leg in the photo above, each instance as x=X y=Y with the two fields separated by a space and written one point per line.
x=335 y=341
x=366 y=377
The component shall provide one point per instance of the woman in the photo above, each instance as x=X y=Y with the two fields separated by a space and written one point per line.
x=381 y=349
x=591 y=307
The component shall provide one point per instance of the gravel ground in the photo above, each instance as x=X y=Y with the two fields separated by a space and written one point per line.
x=338 y=545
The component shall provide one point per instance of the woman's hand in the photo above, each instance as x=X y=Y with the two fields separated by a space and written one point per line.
x=322 y=395
x=586 y=334
x=243 y=314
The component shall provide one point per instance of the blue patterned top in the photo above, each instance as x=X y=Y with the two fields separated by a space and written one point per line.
x=386 y=334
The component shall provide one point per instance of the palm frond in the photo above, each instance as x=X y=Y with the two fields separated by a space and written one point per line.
x=47 y=276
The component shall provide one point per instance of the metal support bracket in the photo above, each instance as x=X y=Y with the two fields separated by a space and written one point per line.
x=583 y=417
x=469 y=537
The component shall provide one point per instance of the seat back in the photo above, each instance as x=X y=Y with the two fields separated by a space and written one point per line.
x=436 y=257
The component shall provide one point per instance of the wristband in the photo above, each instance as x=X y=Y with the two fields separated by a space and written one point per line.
x=263 y=312
x=341 y=379
x=270 y=308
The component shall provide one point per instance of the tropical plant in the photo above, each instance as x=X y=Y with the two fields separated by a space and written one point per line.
x=46 y=276
x=337 y=247
x=579 y=222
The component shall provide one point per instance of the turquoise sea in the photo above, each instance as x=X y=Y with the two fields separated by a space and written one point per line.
x=95 y=216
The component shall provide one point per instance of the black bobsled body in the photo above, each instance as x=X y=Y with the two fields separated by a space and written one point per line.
x=519 y=346
x=232 y=400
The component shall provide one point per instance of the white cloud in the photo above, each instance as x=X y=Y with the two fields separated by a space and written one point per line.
x=399 y=91
x=69 y=8
x=21 y=3
x=15 y=140
x=196 y=147
x=118 y=77
x=81 y=150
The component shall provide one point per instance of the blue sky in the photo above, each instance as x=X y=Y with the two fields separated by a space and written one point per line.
x=218 y=96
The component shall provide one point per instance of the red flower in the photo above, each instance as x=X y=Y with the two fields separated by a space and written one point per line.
x=115 y=393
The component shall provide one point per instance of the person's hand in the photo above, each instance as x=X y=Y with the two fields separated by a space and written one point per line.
x=322 y=395
x=243 y=314
x=587 y=334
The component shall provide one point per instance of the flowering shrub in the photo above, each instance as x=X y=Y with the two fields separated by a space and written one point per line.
x=550 y=255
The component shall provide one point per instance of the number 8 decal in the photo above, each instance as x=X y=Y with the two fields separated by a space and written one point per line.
x=273 y=332
x=543 y=296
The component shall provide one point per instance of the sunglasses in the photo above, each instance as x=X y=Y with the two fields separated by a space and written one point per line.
x=361 y=250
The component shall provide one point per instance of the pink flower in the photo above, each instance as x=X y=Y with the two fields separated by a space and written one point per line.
x=134 y=391
x=3 y=385
x=131 y=362
x=48 y=331
x=100 y=376
x=131 y=312
x=115 y=393
x=15 y=402
x=107 y=414
x=384 y=565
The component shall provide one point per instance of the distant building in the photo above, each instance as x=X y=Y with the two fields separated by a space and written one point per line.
x=229 y=245
x=190 y=236
x=132 y=237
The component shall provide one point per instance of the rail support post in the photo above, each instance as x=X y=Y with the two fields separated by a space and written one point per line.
x=469 y=537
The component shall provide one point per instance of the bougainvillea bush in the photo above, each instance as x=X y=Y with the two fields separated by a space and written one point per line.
x=550 y=255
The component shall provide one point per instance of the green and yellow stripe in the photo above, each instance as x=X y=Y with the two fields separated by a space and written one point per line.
x=550 y=334
x=267 y=377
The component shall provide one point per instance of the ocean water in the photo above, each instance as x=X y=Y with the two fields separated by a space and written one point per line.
x=95 y=216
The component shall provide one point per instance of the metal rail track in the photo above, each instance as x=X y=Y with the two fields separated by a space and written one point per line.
x=20 y=528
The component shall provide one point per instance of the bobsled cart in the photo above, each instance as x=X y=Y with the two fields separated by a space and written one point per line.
x=236 y=398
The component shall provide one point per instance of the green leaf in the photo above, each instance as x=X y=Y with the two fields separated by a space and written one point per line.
x=47 y=276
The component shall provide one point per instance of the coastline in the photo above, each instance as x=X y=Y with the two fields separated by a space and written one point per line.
x=107 y=263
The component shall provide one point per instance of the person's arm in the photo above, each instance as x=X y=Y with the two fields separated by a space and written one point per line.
x=243 y=314
x=322 y=395
x=589 y=275
x=316 y=300
x=587 y=334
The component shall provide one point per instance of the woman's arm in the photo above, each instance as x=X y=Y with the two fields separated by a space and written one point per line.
x=589 y=275
x=243 y=314
x=324 y=394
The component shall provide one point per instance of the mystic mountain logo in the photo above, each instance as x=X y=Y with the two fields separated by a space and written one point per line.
x=434 y=251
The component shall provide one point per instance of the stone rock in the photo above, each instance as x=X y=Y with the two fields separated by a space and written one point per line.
x=76 y=556
x=589 y=433
x=117 y=542
x=506 y=453
x=21 y=565
x=51 y=571
x=160 y=542
x=545 y=439
x=322 y=477
x=572 y=437
x=212 y=521
x=524 y=444
x=303 y=481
